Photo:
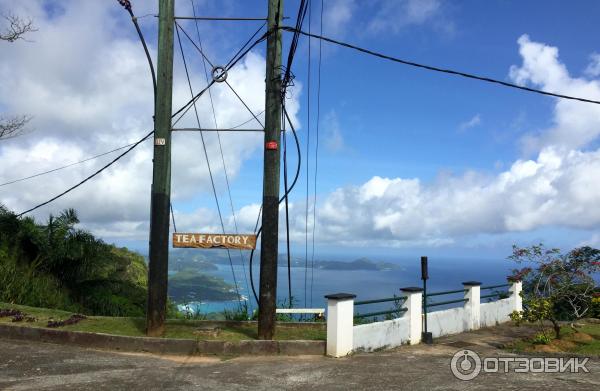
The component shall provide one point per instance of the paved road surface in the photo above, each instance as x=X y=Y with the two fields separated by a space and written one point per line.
x=28 y=365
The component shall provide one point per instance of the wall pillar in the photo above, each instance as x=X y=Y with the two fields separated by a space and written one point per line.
x=340 y=320
x=516 y=287
x=414 y=306
x=472 y=305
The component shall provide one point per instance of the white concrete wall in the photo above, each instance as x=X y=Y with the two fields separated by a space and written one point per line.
x=381 y=335
x=446 y=322
x=343 y=337
x=495 y=312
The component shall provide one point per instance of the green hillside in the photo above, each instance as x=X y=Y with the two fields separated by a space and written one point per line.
x=56 y=265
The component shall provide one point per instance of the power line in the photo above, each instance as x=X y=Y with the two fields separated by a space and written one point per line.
x=89 y=177
x=205 y=58
x=312 y=258
x=296 y=176
x=307 y=159
x=100 y=155
x=185 y=108
x=212 y=181
x=436 y=69
x=287 y=215
x=127 y=5
x=220 y=145
x=66 y=166
x=182 y=111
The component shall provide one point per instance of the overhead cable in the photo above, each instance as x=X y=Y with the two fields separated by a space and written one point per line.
x=437 y=69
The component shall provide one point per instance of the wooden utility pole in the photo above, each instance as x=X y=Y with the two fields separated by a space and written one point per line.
x=161 y=175
x=270 y=216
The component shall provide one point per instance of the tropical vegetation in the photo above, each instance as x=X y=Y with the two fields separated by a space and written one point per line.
x=56 y=265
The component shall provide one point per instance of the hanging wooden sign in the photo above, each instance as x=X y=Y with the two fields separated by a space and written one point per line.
x=191 y=240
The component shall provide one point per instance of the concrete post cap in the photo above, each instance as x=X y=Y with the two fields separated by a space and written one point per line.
x=340 y=296
x=412 y=289
x=471 y=283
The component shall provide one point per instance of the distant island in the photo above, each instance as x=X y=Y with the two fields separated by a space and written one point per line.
x=358 y=264
x=190 y=285
x=190 y=276
x=207 y=260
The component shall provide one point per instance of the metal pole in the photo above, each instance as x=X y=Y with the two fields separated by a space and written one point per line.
x=426 y=336
x=161 y=175
x=270 y=217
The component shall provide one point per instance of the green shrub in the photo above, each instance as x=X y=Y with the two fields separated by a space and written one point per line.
x=56 y=265
x=541 y=339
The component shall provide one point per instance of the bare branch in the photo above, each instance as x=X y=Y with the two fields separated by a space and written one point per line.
x=16 y=28
x=13 y=126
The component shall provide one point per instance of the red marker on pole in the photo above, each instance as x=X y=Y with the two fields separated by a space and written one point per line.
x=271 y=145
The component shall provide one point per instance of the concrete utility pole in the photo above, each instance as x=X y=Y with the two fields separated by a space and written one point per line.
x=161 y=175
x=270 y=217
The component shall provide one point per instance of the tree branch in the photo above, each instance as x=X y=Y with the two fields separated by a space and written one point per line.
x=13 y=126
x=16 y=28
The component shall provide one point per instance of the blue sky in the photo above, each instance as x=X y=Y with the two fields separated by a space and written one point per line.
x=410 y=161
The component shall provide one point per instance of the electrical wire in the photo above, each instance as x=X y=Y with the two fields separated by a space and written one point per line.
x=205 y=58
x=296 y=176
x=288 y=76
x=312 y=258
x=221 y=146
x=287 y=80
x=186 y=107
x=436 y=69
x=287 y=216
x=187 y=74
x=182 y=111
x=66 y=166
x=89 y=177
x=308 y=118
x=100 y=155
x=249 y=40
x=127 y=5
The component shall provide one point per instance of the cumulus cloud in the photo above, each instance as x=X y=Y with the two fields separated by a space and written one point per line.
x=85 y=81
x=557 y=188
x=575 y=124
x=89 y=92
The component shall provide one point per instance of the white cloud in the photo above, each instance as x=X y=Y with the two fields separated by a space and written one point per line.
x=89 y=91
x=382 y=16
x=395 y=15
x=555 y=189
x=575 y=124
x=593 y=68
x=471 y=123
x=85 y=80
x=558 y=188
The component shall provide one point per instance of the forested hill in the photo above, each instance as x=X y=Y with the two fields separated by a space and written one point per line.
x=55 y=265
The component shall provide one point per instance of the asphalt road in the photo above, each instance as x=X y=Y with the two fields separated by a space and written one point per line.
x=28 y=365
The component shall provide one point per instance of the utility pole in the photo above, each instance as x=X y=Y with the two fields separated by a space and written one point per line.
x=270 y=217
x=161 y=175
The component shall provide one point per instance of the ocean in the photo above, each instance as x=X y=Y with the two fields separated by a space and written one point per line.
x=444 y=274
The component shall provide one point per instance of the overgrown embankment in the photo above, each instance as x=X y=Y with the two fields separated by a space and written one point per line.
x=55 y=265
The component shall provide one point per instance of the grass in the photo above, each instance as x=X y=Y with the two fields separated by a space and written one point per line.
x=174 y=328
x=583 y=340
